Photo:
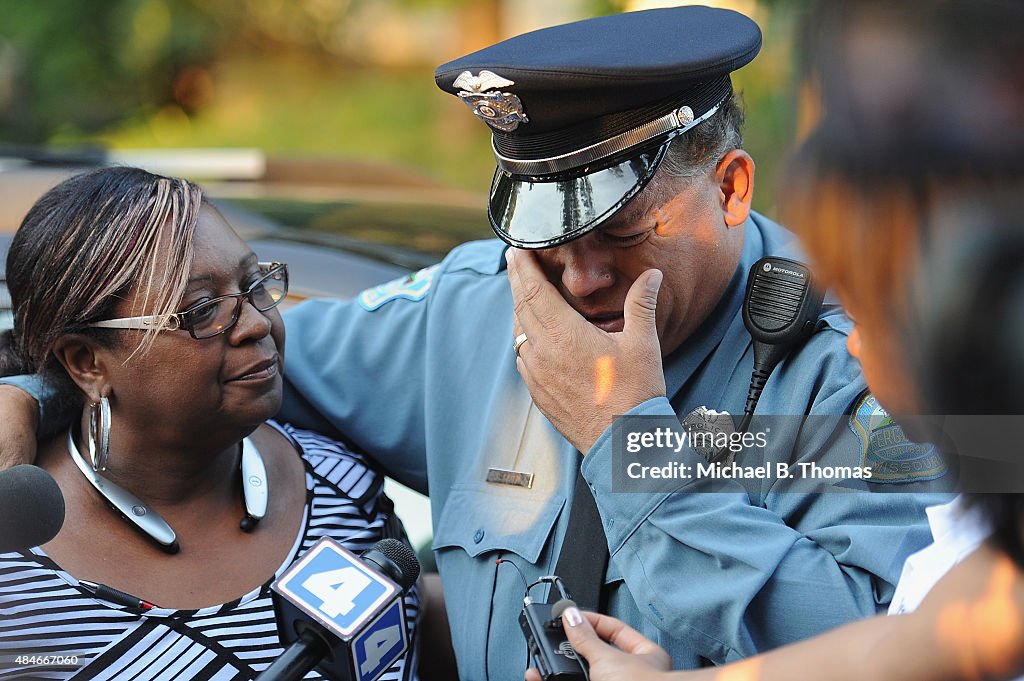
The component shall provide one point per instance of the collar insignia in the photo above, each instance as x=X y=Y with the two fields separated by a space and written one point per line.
x=500 y=110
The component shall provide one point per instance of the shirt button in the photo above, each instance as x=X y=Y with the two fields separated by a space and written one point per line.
x=478 y=537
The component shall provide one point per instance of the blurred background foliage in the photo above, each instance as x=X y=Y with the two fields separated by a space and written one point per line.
x=342 y=79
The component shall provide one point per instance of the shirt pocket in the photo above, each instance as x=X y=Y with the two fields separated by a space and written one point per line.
x=478 y=521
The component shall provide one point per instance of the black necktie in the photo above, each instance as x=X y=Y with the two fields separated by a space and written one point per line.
x=583 y=560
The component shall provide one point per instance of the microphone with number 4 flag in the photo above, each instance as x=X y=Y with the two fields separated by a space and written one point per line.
x=341 y=613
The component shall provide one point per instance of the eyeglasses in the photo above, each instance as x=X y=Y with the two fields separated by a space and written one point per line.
x=209 y=318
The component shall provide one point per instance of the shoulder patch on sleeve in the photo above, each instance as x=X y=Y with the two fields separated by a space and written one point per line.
x=411 y=287
x=891 y=457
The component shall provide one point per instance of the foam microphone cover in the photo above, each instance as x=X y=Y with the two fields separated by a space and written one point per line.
x=560 y=607
x=31 y=508
x=395 y=559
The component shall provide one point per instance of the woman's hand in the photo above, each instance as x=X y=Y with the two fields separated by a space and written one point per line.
x=18 y=426
x=634 y=657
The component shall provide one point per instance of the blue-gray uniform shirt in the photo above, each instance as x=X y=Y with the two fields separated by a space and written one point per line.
x=422 y=375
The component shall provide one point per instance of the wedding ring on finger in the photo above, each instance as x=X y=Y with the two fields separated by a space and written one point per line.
x=520 y=339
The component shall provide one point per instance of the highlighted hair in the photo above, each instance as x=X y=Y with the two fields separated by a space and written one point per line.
x=92 y=241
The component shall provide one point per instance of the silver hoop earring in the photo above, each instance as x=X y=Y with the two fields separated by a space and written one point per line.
x=99 y=434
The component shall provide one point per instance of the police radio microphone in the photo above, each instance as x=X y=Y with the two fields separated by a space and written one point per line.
x=342 y=613
x=31 y=508
x=780 y=311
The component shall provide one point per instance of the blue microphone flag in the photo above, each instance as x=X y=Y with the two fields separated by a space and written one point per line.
x=351 y=602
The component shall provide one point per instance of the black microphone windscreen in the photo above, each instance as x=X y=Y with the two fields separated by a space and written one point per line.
x=404 y=558
x=31 y=508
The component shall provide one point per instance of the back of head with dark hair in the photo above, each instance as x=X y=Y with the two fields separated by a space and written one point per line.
x=922 y=104
x=969 y=306
x=921 y=87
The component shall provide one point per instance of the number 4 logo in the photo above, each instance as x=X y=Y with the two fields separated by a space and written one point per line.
x=333 y=587
x=378 y=644
x=337 y=589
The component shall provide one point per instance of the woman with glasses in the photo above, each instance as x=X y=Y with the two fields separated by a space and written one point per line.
x=156 y=324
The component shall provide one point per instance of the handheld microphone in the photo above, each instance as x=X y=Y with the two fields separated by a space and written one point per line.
x=780 y=310
x=343 y=614
x=31 y=508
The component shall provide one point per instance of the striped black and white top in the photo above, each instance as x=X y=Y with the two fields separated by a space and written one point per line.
x=50 y=628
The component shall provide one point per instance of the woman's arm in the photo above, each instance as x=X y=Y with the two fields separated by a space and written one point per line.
x=839 y=655
x=971 y=626
x=971 y=623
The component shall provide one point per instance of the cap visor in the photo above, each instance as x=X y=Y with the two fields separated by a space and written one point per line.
x=530 y=212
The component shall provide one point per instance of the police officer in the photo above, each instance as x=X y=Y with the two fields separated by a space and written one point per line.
x=622 y=202
x=624 y=193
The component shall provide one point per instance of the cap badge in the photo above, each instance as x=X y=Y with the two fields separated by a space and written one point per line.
x=501 y=110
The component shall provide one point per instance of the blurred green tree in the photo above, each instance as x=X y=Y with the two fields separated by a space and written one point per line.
x=81 y=65
x=339 y=78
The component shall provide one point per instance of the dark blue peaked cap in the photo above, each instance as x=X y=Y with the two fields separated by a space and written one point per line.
x=581 y=114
